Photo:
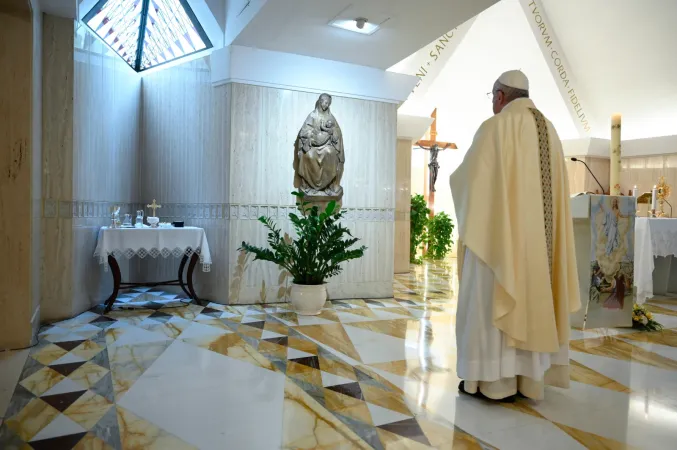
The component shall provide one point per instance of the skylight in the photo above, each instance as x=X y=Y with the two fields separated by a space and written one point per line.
x=148 y=33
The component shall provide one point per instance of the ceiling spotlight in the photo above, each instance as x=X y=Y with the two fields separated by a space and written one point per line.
x=359 y=25
x=360 y=22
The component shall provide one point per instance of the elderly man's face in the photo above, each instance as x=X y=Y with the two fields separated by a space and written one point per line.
x=498 y=100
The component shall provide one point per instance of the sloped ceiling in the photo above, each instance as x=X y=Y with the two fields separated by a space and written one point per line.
x=300 y=26
x=623 y=54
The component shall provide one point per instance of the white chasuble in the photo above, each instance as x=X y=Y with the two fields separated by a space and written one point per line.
x=517 y=263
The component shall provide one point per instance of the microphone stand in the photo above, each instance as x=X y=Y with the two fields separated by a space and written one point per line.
x=593 y=175
x=669 y=206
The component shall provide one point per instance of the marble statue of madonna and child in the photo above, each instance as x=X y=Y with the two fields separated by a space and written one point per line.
x=319 y=156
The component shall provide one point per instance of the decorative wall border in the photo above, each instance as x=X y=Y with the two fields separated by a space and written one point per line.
x=216 y=211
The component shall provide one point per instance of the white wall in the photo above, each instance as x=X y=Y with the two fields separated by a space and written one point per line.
x=499 y=40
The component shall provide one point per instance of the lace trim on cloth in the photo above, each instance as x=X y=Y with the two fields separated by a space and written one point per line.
x=546 y=179
x=663 y=242
x=154 y=253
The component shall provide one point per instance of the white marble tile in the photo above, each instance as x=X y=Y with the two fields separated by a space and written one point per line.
x=234 y=398
x=11 y=364
x=61 y=426
x=376 y=347
x=541 y=435
x=199 y=330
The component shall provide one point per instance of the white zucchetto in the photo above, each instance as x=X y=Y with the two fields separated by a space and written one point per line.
x=514 y=79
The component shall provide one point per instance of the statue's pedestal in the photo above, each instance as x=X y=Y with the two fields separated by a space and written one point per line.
x=321 y=201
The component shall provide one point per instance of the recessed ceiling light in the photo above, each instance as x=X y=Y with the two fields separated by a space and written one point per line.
x=359 y=25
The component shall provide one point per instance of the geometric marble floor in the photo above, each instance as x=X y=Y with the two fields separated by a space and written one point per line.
x=363 y=374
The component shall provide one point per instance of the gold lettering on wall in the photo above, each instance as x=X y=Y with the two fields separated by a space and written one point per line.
x=557 y=62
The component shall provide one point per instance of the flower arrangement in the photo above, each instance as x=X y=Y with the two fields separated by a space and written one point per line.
x=643 y=319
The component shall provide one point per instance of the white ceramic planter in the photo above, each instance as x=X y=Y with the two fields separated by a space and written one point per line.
x=308 y=300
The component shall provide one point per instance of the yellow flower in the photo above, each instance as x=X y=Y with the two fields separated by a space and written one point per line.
x=649 y=316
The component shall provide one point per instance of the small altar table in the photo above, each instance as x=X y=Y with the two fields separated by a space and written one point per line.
x=655 y=268
x=187 y=243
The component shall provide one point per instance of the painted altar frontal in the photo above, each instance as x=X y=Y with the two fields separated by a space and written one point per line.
x=604 y=229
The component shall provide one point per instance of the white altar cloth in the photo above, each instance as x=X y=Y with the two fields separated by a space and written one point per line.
x=141 y=242
x=653 y=237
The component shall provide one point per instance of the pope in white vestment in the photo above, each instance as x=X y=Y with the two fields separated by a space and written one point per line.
x=517 y=263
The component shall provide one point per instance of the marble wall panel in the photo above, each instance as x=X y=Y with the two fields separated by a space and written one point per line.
x=645 y=172
x=91 y=128
x=402 y=205
x=16 y=148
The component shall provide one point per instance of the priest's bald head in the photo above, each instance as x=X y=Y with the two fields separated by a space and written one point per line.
x=510 y=85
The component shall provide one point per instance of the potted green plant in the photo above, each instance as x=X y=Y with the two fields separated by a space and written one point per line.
x=321 y=245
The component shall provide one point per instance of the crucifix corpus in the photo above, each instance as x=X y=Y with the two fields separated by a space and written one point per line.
x=434 y=147
x=154 y=206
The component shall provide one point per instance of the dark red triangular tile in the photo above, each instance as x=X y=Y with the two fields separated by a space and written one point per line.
x=69 y=345
x=349 y=389
x=310 y=361
x=58 y=443
x=259 y=325
x=67 y=369
x=282 y=340
x=408 y=428
x=62 y=401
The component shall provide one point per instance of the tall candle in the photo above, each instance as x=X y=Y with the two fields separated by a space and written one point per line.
x=654 y=199
x=634 y=191
x=615 y=155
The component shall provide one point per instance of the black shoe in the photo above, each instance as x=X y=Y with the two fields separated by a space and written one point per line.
x=478 y=394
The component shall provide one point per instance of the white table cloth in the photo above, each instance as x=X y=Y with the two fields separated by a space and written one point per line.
x=653 y=237
x=141 y=242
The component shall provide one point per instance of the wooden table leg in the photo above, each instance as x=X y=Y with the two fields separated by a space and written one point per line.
x=189 y=278
x=182 y=266
x=117 y=279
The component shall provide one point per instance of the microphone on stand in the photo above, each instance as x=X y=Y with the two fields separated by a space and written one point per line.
x=593 y=175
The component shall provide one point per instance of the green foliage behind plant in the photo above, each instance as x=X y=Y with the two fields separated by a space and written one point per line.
x=319 y=248
x=438 y=236
x=418 y=223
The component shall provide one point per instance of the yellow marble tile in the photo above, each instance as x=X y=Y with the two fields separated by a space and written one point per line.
x=129 y=362
x=657 y=309
x=304 y=373
x=388 y=400
x=276 y=328
x=392 y=441
x=402 y=367
x=592 y=441
x=91 y=442
x=88 y=374
x=441 y=437
x=42 y=381
x=287 y=317
x=88 y=409
x=397 y=310
x=617 y=349
x=87 y=350
x=347 y=406
x=215 y=323
x=329 y=314
x=368 y=370
x=48 y=354
x=305 y=345
x=336 y=367
x=169 y=329
x=252 y=332
x=35 y=416
x=665 y=337
x=234 y=346
x=583 y=374
x=188 y=312
x=139 y=434
x=332 y=335
x=363 y=312
x=395 y=327
x=268 y=348
x=308 y=425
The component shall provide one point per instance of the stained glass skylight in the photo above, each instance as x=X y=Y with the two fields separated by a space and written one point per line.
x=148 y=33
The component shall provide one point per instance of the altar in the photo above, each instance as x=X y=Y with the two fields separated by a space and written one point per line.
x=655 y=265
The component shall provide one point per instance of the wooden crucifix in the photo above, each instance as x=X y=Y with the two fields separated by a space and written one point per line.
x=434 y=147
